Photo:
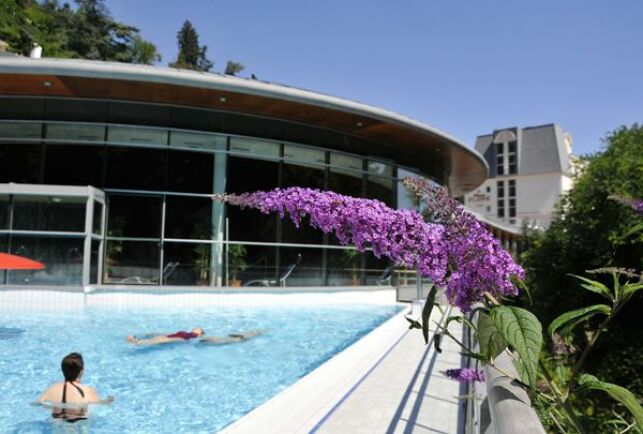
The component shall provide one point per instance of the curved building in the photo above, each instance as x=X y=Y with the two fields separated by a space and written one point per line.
x=106 y=171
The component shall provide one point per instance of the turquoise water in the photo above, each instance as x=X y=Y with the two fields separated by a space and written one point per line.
x=177 y=388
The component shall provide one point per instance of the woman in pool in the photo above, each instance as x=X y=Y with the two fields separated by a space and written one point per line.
x=197 y=332
x=74 y=396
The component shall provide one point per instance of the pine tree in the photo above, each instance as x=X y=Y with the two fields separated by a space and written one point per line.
x=191 y=54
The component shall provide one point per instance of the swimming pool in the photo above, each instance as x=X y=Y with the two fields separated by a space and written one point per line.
x=189 y=387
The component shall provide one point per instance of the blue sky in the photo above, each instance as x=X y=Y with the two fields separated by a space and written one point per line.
x=465 y=67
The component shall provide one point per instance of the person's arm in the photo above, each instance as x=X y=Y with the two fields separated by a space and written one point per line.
x=93 y=397
x=45 y=396
x=158 y=340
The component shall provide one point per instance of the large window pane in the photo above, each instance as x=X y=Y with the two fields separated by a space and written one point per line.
x=346 y=161
x=49 y=213
x=344 y=267
x=381 y=189
x=308 y=269
x=136 y=168
x=21 y=108
x=380 y=169
x=138 y=114
x=250 y=265
x=62 y=109
x=190 y=172
x=84 y=132
x=93 y=262
x=246 y=175
x=63 y=259
x=20 y=163
x=254 y=147
x=4 y=211
x=186 y=264
x=74 y=165
x=97 y=223
x=198 y=141
x=188 y=218
x=377 y=270
x=137 y=136
x=134 y=216
x=20 y=130
x=345 y=182
x=304 y=155
x=132 y=262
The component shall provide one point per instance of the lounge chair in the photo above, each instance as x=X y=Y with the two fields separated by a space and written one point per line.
x=281 y=281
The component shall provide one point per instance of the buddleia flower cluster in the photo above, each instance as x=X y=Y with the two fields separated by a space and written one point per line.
x=466 y=375
x=466 y=261
x=635 y=204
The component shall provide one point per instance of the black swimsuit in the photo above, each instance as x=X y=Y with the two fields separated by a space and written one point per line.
x=62 y=414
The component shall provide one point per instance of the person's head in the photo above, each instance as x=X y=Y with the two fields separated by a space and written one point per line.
x=198 y=331
x=72 y=366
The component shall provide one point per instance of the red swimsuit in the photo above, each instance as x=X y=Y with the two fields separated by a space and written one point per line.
x=183 y=335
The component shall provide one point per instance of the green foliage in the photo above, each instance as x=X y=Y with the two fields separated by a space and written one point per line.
x=592 y=231
x=575 y=317
x=191 y=54
x=233 y=68
x=618 y=393
x=426 y=312
x=236 y=259
x=88 y=32
x=489 y=337
x=588 y=225
x=523 y=332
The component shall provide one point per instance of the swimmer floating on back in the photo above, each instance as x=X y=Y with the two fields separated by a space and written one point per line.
x=196 y=333
x=69 y=399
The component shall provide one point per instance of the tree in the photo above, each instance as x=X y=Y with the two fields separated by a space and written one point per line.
x=233 y=68
x=584 y=235
x=144 y=52
x=89 y=32
x=191 y=54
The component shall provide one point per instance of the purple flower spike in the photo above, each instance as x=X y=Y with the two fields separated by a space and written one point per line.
x=455 y=252
x=466 y=375
x=635 y=204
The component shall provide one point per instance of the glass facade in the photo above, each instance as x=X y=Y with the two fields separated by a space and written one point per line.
x=157 y=225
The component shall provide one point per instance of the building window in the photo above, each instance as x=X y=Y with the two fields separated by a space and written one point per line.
x=512 y=208
x=512 y=188
x=500 y=190
x=512 y=158
x=488 y=189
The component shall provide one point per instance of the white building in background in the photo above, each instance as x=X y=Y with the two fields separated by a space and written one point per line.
x=529 y=168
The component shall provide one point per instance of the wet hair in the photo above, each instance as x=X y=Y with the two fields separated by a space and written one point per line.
x=71 y=366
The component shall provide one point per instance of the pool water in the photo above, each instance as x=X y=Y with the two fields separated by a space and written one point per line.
x=186 y=387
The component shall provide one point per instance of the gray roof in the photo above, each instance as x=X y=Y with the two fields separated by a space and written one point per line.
x=541 y=149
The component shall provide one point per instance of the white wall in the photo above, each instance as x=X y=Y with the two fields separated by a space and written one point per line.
x=536 y=197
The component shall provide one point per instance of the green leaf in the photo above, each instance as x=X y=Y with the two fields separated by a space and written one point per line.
x=594 y=286
x=631 y=231
x=476 y=356
x=414 y=324
x=577 y=316
x=456 y=318
x=631 y=288
x=426 y=313
x=522 y=285
x=522 y=330
x=491 y=341
x=437 y=340
x=618 y=393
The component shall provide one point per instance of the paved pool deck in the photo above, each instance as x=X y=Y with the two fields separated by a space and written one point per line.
x=388 y=382
x=406 y=393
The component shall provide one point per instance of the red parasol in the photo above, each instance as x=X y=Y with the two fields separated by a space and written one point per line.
x=15 y=262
